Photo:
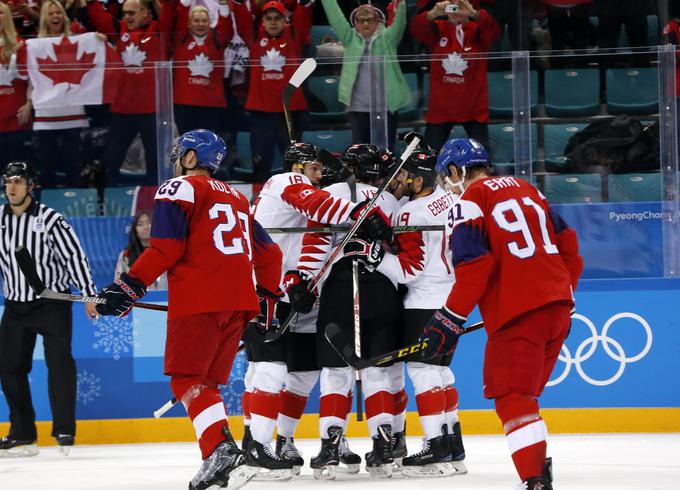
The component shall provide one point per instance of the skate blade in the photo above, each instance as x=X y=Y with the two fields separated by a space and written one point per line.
x=458 y=467
x=349 y=469
x=263 y=474
x=435 y=470
x=325 y=473
x=20 y=452
x=396 y=466
x=64 y=450
x=296 y=470
x=380 y=472
x=239 y=476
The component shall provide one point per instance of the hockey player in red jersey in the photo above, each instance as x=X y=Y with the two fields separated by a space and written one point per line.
x=204 y=235
x=515 y=257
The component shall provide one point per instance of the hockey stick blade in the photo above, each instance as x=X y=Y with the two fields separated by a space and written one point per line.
x=341 y=344
x=28 y=269
x=302 y=73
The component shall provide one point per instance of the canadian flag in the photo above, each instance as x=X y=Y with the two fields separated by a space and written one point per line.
x=69 y=70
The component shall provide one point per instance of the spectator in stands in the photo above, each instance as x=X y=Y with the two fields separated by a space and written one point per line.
x=58 y=128
x=138 y=241
x=459 y=93
x=569 y=24
x=198 y=56
x=15 y=107
x=366 y=35
x=514 y=16
x=26 y=16
x=271 y=46
x=140 y=43
x=613 y=15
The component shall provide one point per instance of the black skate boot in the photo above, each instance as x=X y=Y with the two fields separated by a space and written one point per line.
x=17 y=448
x=225 y=467
x=457 y=450
x=433 y=460
x=379 y=460
x=350 y=462
x=285 y=449
x=247 y=437
x=543 y=482
x=326 y=462
x=64 y=443
x=268 y=465
x=399 y=450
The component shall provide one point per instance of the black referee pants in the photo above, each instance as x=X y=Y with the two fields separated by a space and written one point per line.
x=20 y=324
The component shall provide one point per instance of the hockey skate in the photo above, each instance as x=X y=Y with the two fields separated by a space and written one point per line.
x=224 y=468
x=399 y=450
x=267 y=464
x=247 y=437
x=17 y=448
x=325 y=464
x=64 y=444
x=379 y=460
x=285 y=449
x=543 y=482
x=350 y=462
x=457 y=449
x=433 y=460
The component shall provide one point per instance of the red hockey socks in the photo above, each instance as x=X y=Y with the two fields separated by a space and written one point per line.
x=399 y=400
x=431 y=405
x=525 y=431
x=291 y=409
x=333 y=410
x=203 y=402
x=264 y=410
x=245 y=406
x=451 y=407
x=379 y=408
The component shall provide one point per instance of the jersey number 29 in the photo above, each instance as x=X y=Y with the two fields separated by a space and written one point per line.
x=518 y=224
x=234 y=244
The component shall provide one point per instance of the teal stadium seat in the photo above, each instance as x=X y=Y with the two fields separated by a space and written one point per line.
x=572 y=92
x=573 y=188
x=333 y=141
x=500 y=93
x=72 y=202
x=555 y=140
x=244 y=169
x=410 y=112
x=321 y=34
x=502 y=144
x=118 y=201
x=653 y=30
x=325 y=89
x=635 y=187
x=632 y=91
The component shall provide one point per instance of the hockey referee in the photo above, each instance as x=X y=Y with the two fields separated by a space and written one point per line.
x=60 y=261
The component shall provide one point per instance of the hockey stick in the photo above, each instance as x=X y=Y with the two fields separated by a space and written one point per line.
x=357 y=335
x=342 y=229
x=168 y=405
x=303 y=71
x=27 y=266
x=343 y=347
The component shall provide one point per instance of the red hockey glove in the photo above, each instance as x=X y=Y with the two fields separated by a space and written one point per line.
x=442 y=332
x=369 y=253
x=266 y=319
x=376 y=226
x=296 y=283
x=120 y=296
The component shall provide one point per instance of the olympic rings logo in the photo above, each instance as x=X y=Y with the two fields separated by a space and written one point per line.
x=613 y=349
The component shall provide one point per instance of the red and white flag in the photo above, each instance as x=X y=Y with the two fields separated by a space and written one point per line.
x=67 y=70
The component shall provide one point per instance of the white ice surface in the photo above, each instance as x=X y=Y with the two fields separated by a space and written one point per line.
x=620 y=461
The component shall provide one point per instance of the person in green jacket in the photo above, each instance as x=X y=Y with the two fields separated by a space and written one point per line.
x=366 y=35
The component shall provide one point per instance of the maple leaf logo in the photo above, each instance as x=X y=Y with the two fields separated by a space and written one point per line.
x=132 y=56
x=8 y=73
x=66 y=67
x=454 y=64
x=272 y=60
x=201 y=66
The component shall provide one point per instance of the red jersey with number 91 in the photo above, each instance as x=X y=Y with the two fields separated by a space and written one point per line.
x=512 y=253
x=203 y=234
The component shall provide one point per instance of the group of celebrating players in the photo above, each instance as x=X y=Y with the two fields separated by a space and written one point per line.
x=464 y=238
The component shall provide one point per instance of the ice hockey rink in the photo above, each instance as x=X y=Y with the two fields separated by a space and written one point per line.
x=602 y=461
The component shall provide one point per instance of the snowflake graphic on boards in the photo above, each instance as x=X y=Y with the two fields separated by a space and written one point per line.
x=133 y=56
x=114 y=335
x=201 y=66
x=272 y=60
x=454 y=64
x=89 y=387
x=232 y=391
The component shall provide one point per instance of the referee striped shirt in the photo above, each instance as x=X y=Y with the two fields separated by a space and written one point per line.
x=54 y=246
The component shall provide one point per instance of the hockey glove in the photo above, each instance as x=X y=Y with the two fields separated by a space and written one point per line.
x=296 y=283
x=369 y=253
x=266 y=319
x=376 y=226
x=442 y=332
x=120 y=296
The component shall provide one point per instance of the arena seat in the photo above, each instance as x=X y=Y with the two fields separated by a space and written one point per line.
x=500 y=92
x=321 y=34
x=325 y=89
x=572 y=92
x=635 y=187
x=632 y=90
x=72 y=202
x=244 y=169
x=555 y=140
x=573 y=188
x=333 y=141
x=502 y=146
x=118 y=201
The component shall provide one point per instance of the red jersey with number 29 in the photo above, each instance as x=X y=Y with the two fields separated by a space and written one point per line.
x=511 y=252
x=203 y=234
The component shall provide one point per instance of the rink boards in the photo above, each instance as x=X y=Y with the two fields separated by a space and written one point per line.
x=616 y=372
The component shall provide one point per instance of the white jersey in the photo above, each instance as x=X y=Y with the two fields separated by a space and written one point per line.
x=316 y=247
x=424 y=262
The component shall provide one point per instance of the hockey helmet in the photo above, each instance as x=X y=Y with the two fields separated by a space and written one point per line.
x=210 y=148
x=364 y=160
x=463 y=153
x=19 y=169
x=299 y=154
x=421 y=163
x=334 y=171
